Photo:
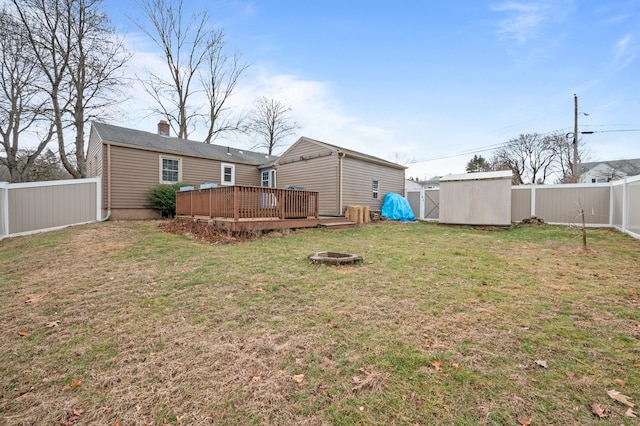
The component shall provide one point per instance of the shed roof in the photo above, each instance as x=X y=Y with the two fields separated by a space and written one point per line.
x=502 y=174
x=155 y=142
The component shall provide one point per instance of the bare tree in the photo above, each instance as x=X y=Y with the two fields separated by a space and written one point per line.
x=96 y=74
x=563 y=144
x=21 y=107
x=219 y=80
x=270 y=122
x=46 y=166
x=531 y=158
x=194 y=53
x=82 y=66
x=402 y=159
x=184 y=48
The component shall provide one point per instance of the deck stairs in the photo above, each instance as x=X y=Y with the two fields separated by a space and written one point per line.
x=336 y=223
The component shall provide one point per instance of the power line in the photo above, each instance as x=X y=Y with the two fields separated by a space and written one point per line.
x=617 y=130
x=498 y=145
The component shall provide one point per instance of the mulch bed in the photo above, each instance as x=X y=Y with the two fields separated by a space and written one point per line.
x=198 y=230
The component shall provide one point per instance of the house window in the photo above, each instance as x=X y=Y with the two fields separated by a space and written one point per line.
x=228 y=172
x=268 y=178
x=375 y=189
x=170 y=170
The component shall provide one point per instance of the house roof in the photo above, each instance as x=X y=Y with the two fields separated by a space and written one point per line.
x=348 y=152
x=155 y=142
x=627 y=167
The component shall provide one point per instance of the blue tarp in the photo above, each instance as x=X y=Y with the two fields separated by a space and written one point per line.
x=396 y=207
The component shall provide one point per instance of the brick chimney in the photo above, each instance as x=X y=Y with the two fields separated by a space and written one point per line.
x=163 y=128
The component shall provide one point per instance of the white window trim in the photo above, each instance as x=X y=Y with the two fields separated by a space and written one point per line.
x=271 y=178
x=166 y=157
x=233 y=174
x=375 y=191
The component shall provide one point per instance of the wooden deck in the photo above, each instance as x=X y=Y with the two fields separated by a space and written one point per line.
x=250 y=208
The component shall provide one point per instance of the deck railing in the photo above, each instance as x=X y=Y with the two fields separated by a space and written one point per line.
x=247 y=202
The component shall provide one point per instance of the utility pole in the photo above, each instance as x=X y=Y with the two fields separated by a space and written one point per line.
x=575 y=139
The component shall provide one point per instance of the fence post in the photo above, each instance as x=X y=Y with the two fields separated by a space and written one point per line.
x=98 y=198
x=4 y=205
x=533 y=199
x=612 y=204
x=422 y=201
x=625 y=204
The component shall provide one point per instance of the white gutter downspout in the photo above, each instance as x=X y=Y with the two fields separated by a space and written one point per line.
x=341 y=155
x=108 y=216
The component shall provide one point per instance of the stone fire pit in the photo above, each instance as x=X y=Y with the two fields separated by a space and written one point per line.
x=335 y=258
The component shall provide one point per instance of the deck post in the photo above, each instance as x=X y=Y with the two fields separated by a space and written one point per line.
x=317 y=208
x=283 y=197
x=236 y=204
x=210 y=198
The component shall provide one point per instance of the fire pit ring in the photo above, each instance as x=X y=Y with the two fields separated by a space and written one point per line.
x=335 y=258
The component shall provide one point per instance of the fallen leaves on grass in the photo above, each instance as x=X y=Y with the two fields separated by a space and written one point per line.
x=570 y=374
x=33 y=298
x=622 y=399
x=367 y=380
x=526 y=422
x=630 y=413
x=52 y=324
x=23 y=333
x=76 y=383
x=31 y=389
x=542 y=363
x=298 y=378
x=599 y=410
x=619 y=382
x=437 y=365
x=71 y=418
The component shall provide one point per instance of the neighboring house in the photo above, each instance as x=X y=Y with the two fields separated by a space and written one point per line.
x=411 y=184
x=132 y=161
x=341 y=176
x=607 y=171
x=434 y=182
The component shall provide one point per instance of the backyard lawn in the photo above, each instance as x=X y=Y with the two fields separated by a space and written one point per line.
x=120 y=323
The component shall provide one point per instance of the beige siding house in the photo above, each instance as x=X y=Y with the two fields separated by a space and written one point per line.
x=341 y=176
x=132 y=161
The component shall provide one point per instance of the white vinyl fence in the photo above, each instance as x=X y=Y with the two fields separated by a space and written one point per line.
x=615 y=204
x=27 y=208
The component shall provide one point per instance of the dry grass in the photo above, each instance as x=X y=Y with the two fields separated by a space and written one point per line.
x=120 y=323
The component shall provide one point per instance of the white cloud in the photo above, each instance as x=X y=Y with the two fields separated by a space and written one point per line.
x=315 y=107
x=524 y=20
x=625 y=50
x=317 y=111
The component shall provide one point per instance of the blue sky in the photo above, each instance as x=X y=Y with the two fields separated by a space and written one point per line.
x=420 y=80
